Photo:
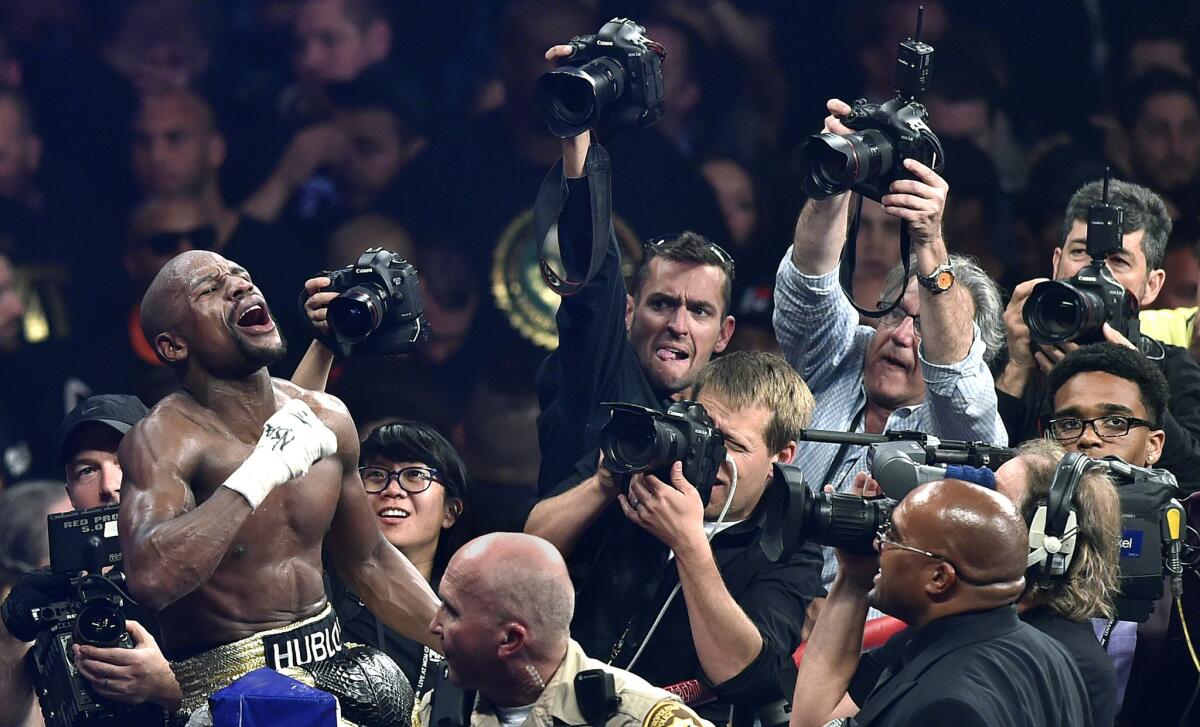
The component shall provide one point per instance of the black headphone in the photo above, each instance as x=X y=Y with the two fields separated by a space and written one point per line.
x=1054 y=527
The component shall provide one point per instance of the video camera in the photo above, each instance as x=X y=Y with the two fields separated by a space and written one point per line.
x=1058 y=311
x=870 y=159
x=1151 y=536
x=613 y=80
x=378 y=309
x=75 y=603
x=900 y=461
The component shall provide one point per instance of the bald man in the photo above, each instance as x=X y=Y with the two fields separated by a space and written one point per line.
x=951 y=565
x=233 y=484
x=504 y=627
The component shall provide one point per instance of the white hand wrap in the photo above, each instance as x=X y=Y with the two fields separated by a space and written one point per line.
x=292 y=440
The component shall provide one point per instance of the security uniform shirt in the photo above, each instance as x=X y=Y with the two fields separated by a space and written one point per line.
x=641 y=705
x=986 y=668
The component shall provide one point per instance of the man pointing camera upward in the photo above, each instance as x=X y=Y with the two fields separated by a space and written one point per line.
x=923 y=368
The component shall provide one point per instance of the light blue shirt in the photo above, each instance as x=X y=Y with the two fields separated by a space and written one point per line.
x=819 y=333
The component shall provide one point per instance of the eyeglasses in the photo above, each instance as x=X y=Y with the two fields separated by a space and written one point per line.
x=882 y=538
x=661 y=243
x=1068 y=429
x=411 y=479
x=168 y=243
x=896 y=316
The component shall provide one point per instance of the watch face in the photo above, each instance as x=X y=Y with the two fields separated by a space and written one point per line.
x=944 y=279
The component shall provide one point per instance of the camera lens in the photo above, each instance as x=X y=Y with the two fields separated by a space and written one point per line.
x=843 y=521
x=100 y=623
x=355 y=314
x=572 y=99
x=1058 y=311
x=832 y=163
x=631 y=444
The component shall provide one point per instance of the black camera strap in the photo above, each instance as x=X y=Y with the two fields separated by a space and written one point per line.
x=549 y=204
x=850 y=253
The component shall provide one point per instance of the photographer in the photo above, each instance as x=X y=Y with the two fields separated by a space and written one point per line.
x=644 y=348
x=923 y=368
x=1020 y=383
x=741 y=614
x=88 y=440
x=951 y=565
x=1060 y=606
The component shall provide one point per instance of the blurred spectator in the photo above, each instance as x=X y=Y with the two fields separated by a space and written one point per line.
x=20 y=151
x=684 y=74
x=875 y=28
x=1182 y=261
x=755 y=331
x=353 y=237
x=11 y=71
x=1158 y=42
x=970 y=220
x=1161 y=115
x=178 y=150
x=736 y=195
x=160 y=46
x=24 y=544
x=337 y=39
x=381 y=121
x=878 y=251
x=1053 y=179
x=498 y=430
x=12 y=309
x=343 y=165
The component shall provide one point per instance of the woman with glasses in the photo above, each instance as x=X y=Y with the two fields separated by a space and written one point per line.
x=417 y=486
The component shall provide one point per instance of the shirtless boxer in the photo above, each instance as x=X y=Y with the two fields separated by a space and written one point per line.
x=231 y=486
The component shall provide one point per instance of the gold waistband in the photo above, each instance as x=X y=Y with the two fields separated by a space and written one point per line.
x=215 y=669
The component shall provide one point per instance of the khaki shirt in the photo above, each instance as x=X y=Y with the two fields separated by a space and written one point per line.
x=642 y=705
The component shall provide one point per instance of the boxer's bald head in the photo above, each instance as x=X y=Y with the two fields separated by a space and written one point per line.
x=978 y=543
x=203 y=308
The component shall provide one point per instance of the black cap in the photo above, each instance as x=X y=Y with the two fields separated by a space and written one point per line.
x=119 y=411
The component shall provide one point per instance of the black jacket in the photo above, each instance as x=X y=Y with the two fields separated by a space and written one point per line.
x=985 y=668
x=623 y=577
x=1181 y=421
x=594 y=362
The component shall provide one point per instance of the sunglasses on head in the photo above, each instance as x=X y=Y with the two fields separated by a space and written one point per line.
x=725 y=258
x=169 y=243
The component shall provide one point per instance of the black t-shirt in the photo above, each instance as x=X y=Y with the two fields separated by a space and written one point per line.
x=1095 y=665
x=986 y=668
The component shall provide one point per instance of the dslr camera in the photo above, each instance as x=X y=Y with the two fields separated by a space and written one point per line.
x=870 y=159
x=640 y=439
x=1076 y=310
x=61 y=608
x=612 y=81
x=378 y=309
